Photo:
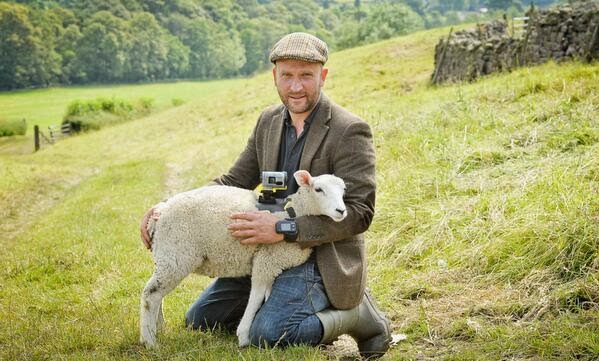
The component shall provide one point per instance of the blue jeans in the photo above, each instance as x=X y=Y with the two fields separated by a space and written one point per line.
x=288 y=317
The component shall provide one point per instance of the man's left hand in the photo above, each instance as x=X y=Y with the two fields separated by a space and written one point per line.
x=255 y=228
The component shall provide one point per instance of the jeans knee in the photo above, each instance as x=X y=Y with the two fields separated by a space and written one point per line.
x=197 y=320
x=191 y=320
x=264 y=333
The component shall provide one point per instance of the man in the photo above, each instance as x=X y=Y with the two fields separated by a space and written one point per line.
x=318 y=301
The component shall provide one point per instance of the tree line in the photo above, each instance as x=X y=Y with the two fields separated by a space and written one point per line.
x=43 y=43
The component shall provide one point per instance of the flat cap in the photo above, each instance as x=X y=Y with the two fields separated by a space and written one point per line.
x=300 y=46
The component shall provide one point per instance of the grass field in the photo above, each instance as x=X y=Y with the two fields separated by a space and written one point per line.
x=45 y=107
x=484 y=245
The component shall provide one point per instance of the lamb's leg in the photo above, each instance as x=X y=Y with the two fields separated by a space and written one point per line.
x=263 y=276
x=160 y=322
x=268 y=263
x=161 y=284
x=285 y=256
x=255 y=301
x=148 y=313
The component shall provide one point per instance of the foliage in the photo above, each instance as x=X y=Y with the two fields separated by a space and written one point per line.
x=25 y=58
x=177 y=101
x=144 y=105
x=12 y=127
x=85 y=115
x=84 y=41
x=381 y=21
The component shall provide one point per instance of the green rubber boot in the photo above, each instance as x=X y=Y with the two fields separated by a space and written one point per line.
x=365 y=323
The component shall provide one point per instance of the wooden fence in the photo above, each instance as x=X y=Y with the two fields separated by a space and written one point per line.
x=519 y=26
x=55 y=133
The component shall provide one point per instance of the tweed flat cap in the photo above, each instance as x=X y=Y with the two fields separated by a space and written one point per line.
x=300 y=46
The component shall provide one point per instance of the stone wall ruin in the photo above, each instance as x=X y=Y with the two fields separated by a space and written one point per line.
x=561 y=33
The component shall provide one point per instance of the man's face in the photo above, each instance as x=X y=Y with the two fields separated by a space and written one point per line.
x=298 y=83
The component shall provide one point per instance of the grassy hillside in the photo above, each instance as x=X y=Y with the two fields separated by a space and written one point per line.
x=47 y=106
x=484 y=244
x=44 y=107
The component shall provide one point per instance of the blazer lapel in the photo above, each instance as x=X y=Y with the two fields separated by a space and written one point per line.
x=318 y=130
x=273 y=142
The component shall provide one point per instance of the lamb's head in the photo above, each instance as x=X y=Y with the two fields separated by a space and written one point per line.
x=324 y=192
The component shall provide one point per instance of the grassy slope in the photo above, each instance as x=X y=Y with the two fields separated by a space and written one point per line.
x=44 y=107
x=484 y=245
x=47 y=106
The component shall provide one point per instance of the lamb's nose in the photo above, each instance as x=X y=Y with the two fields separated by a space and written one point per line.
x=341 y=211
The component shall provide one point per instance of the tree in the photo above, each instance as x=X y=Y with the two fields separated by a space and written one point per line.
x=348 y=34
x=89 y=8
x=50 y=26
x=22 y=61
x=417 y=5
x=213 y=51
x=303 y=13
x=66 y=46
x=177 y=58
x=250 y=38
x=47 y=41
x=386 y=20
x=101 y=51
x=147 y=52
x=499 y=4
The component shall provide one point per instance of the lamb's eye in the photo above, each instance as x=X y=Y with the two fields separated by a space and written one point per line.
x=318 y=190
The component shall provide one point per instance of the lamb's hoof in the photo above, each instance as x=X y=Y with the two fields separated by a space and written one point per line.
x=244 y=342
x=147 y=344
x=243 y=337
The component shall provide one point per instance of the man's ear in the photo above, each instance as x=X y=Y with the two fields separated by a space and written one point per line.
x=274 y=74
x=303 y=178
x=323 y=75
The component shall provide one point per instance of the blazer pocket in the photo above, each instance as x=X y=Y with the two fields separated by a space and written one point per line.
x=320 y=166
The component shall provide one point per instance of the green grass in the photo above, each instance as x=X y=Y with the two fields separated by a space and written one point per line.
x=12 y=127
x=484 y=245
x=45 y=107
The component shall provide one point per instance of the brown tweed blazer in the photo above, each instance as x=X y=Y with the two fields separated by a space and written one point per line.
x=338 y=143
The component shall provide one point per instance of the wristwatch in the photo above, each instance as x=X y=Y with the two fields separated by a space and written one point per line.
x=288 y=228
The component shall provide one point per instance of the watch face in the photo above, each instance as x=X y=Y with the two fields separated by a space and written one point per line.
x=285 y=227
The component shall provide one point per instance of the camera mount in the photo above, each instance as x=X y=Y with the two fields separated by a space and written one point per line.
x=271 y=183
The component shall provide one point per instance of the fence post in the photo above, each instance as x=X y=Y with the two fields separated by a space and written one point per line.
x=36 y=137
x=441 y=58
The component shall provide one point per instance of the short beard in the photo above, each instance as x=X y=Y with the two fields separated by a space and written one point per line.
x=310 y=103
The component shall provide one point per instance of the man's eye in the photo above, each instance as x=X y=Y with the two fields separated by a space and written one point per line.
x=318 y=190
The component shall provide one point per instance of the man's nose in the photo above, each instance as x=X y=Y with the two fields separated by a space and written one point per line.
x=296 y=86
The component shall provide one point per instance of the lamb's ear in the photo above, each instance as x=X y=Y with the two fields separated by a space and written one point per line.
x=303 y=178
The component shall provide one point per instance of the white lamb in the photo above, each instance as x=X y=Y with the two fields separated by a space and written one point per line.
x=191 y=236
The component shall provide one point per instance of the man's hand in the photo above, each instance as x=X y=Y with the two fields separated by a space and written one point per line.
x=152 y=213
x=255 y=228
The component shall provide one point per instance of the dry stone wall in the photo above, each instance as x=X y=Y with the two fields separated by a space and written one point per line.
x=560 y=33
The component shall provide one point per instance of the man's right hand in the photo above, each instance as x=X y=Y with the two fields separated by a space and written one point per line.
x=146 y=238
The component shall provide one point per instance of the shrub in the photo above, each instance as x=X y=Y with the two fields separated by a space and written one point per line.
x=91 y=122
x=177 y=101
x=12 y=127
x=83 y=107
x=144 y=105
x=94 y=114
